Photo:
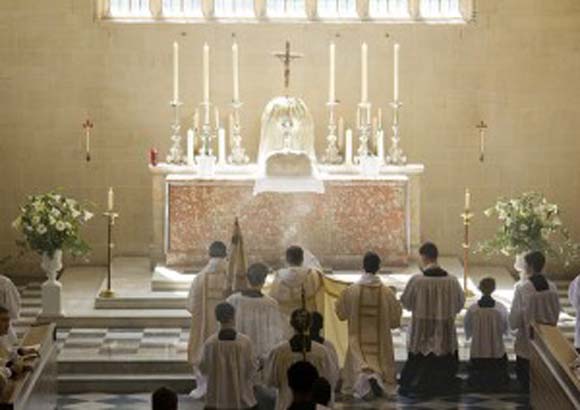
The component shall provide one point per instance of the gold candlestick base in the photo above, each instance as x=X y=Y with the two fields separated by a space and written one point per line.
x=107 y=293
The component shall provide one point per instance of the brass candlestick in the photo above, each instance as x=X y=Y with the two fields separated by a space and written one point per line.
x=111 y=216
x=466 y=216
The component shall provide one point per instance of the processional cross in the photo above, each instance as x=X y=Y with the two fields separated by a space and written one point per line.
x=286 y=57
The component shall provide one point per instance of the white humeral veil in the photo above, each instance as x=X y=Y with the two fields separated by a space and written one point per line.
x=435 y=302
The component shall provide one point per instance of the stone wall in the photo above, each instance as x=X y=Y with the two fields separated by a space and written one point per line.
x=516 y=68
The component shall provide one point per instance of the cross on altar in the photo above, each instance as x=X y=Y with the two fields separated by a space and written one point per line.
x=286 y=58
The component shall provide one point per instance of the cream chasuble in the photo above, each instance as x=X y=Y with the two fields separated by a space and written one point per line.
x=371 y=310
x=209 y=288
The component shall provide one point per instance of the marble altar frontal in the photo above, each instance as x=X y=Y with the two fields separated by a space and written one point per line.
x=339 y=226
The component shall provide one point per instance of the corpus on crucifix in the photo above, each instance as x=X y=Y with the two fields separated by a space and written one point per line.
x=286 y=57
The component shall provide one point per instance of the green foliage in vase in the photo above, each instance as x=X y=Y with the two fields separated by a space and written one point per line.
x=51 y=221
x=530 y=223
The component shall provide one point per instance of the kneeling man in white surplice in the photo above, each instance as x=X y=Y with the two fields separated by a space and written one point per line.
x=257 y=315
x=371 y=310
x=290 y=283
x=299 y=348
x=209 y=287
x=227 y=361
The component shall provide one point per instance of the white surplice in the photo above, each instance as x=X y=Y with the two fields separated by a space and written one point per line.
x=434 y=301
x=259 y=318
x=486 y=326
x=230 y=369
x=209 y=288
x=280 y=360
x=371 y=310
x=574 y=296
x=287 y=287
x=529 y=306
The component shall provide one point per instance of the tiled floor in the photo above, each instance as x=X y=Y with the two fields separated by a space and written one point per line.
x=142 y=401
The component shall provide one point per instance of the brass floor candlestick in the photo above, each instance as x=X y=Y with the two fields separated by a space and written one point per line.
x=466 y=216
x=111 y=216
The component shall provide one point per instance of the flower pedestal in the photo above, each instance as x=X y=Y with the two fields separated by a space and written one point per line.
x=52 y=288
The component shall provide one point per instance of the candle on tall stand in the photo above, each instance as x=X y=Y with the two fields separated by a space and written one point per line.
x=380 y=118
x=332 y=153
x=467 y=216
x=396 y=155
x=111 y=217
x=175 y=155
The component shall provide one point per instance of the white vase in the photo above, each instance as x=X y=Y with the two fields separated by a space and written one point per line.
x=51 y=289
x=520 y=265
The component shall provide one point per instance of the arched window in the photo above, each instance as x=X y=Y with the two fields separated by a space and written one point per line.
x=436 y=9
x=337 y=8
x=182 y=8
x=388 y=8
x=234 y=8
x=130 y=8
x=286 y=8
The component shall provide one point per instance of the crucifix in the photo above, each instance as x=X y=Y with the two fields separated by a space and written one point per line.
x=88 y=126
x=482 y=127
x=286 y=58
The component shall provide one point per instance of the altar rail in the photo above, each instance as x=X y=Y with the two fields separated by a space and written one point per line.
x=36 y=390
x=552 y=383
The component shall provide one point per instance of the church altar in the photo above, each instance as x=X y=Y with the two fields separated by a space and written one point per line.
x=356 y=213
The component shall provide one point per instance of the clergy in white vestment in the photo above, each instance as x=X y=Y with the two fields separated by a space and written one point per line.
x=299 y=348
x=209 y=287
x=229 y=365
x=290 y=283
x=535 y=301
x=486 y=324
x=435 y=298
x=10 y=299
x=574 y=297
x=371 y=310
x=258 y=315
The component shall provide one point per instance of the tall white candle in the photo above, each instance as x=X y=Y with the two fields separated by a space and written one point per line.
x=196 y=119
x=175 y=72
x=381 y=145
x=348 y=148
x=216 y=112
x=380 y=118
x=364 y=73
x=467 y=200
x=236 y=68
x=341 y=133
x=111 y=199
x=396 y=70
x=190 y=146
x=205 y=73
x=222 y=146
x=332 y=90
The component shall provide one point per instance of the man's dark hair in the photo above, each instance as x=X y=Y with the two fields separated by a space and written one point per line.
x=316 y=325
x=536 y=260
x=301 y=320
x=429 y=250
x=257 y=274
x=371 y=262
x=224 y=312
x=301 y=377
x=218 y=249
x=321 y=391
x=295 y=255
x=164 y=399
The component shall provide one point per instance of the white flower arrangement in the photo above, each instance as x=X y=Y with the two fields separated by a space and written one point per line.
x=530 y=223
x=50 y=222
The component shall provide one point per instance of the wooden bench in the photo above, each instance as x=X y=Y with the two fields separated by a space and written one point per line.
x=35 y=390
x=553 y=385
